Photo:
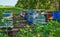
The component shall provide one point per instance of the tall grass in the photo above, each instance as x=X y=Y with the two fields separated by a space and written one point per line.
x=48 y=30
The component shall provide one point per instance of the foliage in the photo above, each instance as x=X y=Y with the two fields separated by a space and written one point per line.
x=51 y=29
x=3 y=35
x=56 y=27
x=37 y=29
x=34 y=4
x=57 y=33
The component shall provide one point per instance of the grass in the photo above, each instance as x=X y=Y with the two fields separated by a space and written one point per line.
x=7 y=8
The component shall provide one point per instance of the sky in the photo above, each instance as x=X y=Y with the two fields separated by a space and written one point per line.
x=8 y=2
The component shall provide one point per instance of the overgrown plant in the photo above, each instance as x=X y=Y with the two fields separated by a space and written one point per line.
x=3 y=35
x=47 y=30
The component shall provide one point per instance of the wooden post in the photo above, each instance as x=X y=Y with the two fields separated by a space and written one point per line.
x=38 y=34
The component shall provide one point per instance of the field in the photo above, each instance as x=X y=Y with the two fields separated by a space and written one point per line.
x=50 y=29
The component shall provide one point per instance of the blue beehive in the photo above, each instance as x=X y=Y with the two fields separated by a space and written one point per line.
x=33 y=19
x=30 y=15
x=8 y=20
x=30 y=11
x=26 y=16
x=56 y=15
x=6 y=14
x=7 y=25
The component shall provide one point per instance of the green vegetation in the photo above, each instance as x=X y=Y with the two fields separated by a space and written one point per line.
x=14 y=10
x=6 y=6
x=35 y=4
x=51 y=29
x=3 y=35
x=4 y=9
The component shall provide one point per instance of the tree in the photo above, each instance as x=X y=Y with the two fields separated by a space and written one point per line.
x=34 y=4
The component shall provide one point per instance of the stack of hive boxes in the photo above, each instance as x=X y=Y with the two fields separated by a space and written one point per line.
x=36 y=17
x=8 y=20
